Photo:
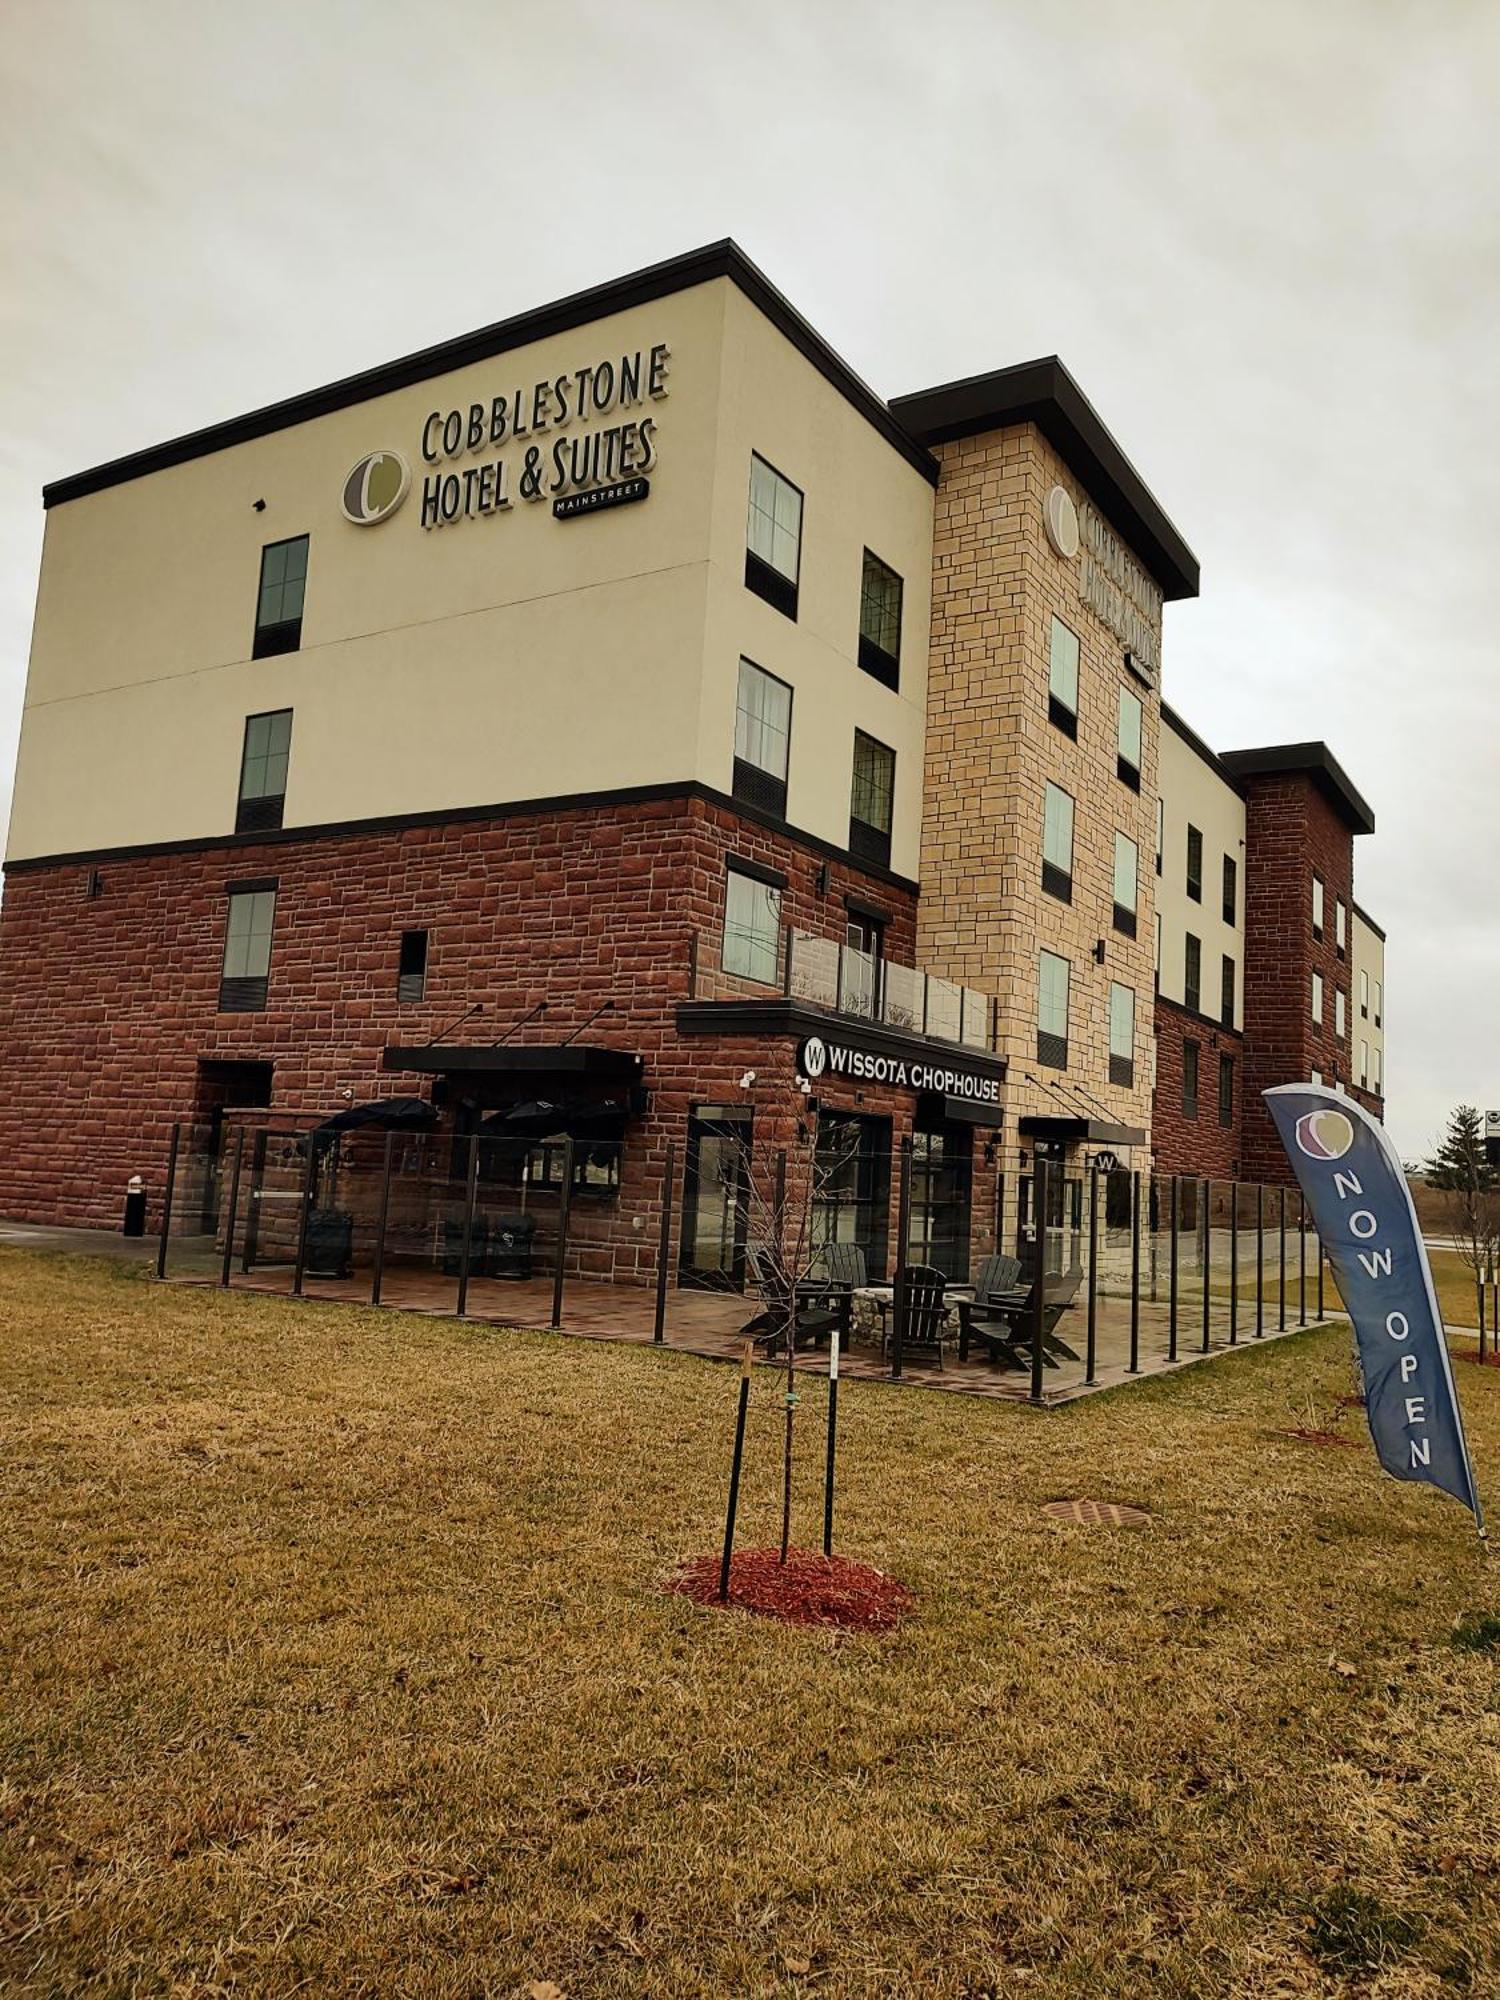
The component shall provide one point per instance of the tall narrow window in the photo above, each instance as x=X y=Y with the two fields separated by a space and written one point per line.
x=1231 y=889
x=1317 y=906
x=1317 y=998
x=1379 y=990
x=1057 y=844
x=278 y=608
x=1052 y=1010
x=1377 y=1070
x=263 y=765
x=1192 y=972
x=1195 y=864
x=1127 y=867
x=1364 y=996
x=411 y=969
x=1226 y=991
x=1190 y=1079
x=1339 y=1020
x=762 y=739
x=1128 y=741
x=880 y=621
x=247 y=948
x=1364 y=1065
x=1226 y=1091
x=872 y=800
x=1122 y=1036
x=1156 y=961
x=1340 y=926
x=1161 y=831
x=752 y=926
x=1062 y=679
x=773 y=537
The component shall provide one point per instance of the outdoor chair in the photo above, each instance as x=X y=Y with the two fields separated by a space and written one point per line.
x=512 y=1239
x=822 y=1308
x=1005 y=1324
x=453 y=1245
x=997 y=1276
x=844 y=1264
x=919 y=1311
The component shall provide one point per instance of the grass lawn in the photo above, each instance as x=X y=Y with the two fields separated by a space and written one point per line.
x=334 y=1661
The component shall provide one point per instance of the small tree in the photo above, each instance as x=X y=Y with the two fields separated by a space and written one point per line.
x=1460 y=1168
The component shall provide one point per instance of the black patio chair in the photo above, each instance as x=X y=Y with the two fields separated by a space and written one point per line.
x=453 y=1245
x=997 y=1276
x=512 y=1240
x=822 y=1309
x=844 y=1264
x=1005 y=1324
x=919 y=1310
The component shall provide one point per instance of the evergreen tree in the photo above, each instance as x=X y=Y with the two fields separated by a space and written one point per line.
x=1461 y=1167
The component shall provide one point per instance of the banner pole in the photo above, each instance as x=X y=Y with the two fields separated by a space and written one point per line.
x=833 y=1423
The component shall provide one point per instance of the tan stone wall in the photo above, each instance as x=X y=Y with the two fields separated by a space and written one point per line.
x=983 y=915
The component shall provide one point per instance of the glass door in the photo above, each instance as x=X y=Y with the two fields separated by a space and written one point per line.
x=941 y=1183
x=715 y=1206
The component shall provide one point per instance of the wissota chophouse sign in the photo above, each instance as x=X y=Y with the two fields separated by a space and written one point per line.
x=582 y=440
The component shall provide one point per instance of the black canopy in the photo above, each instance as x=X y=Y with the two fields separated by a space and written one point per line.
x=397 y=1114
x=540 y=1118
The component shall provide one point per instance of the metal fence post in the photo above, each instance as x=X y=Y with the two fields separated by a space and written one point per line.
x=1088 y=1373
x=564 y=1210
x=1039 y=1283
x=664 y=1247
x=1172 y=1276
x=1207 y=1258
x=1234 y=1263
x=903 y=1230
x=234 y=1202
x=378 y=1275
x=1260 y=1261
x=253 y=1204
x=166 y=1202
x=304 y=1213
x=1281 y=1287
x=1135 y=1272
x=1301 y=1261
x=465 y=1248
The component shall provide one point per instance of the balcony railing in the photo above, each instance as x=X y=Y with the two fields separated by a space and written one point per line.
x=870 y=988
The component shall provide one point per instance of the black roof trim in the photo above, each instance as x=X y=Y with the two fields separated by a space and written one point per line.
x=1196 y=744
x=724 y=259
x=1369 y=922
x=1044 y=393
x=1315 y=760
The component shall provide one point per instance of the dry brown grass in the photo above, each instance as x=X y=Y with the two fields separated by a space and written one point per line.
x=336 y=1662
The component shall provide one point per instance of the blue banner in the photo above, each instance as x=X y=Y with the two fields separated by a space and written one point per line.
x=1362 y=1209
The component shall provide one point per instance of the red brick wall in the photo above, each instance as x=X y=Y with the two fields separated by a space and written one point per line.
x=108 y=1005
x=1291 y=830
x=1200 y=1146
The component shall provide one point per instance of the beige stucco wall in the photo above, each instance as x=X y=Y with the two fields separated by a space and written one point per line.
x=504 y=657
x=1194 y=794
x=1367 y=955
x=984 y=916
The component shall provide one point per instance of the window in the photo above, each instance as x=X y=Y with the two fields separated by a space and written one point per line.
x=1192 y=971
x=1317 y=893
x=1161 y=828
x=762 y=739
x=1156 y=962
x=247 y=948
x=752 y=926
x=1122 y=1036
x=278 y=609
x=1364 y=996
x=1339 y=1023
x=263 y=762
x=1231 y=889
x=880 y=621
x=1340 y=925
x=1195 y=864
x=1377 y=1002
x=1127 y=860
x=1062 y=679
x=411 y=970
x=1128 y=741
x=773 y=537
x=1057 y=844
x=1052 y=1010
x=1376 y=1067
x=1364 y=1065
x=1226 y=991
x=871 y=800
x=1190 y=1079
x=1317 y=998
x=1226 y=1091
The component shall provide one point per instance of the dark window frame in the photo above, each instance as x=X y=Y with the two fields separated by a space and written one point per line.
x=262 y=812
x=1228 y=982
x=867 y=840
x=274 y=637
x=411 y=967
x=876 y=659
x=1231 y=902
x=751 y=784
x=777 y=589
x=1192 y=972
x=246 y=993
x=1191 y=1079
x=1194 y=864
x=1128 y=772
x=1058 y=712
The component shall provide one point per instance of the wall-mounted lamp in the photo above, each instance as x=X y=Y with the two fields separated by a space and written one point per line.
x=823 y=879
x=1099 y=952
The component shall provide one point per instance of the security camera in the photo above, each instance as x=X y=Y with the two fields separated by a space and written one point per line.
x=747 y=1079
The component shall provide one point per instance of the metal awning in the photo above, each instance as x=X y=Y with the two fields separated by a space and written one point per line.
x=542 y=1117
x=404 y=1114
x=933 y=1105
x=1094 y=1131
x=576 y=1060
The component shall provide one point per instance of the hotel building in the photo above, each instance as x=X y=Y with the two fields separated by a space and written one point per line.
x=624 y=699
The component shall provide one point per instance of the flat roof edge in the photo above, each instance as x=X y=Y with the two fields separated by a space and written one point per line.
x=723 y=259
x=1314 y=760
x=1044 y=392
x=1368 y=921
x=1196 y=744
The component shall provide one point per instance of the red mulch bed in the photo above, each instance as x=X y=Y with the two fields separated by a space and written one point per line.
x=1488 y=1360
x=807 y=1589
x=1320 y=1437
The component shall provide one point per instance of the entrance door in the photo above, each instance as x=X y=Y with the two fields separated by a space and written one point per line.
x=1063 y=1236
x=941 y=1182
x=716 y=1199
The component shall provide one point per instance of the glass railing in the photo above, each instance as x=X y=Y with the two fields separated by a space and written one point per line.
x=826 y=973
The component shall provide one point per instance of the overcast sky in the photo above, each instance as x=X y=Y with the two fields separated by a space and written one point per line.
x=1263 y=238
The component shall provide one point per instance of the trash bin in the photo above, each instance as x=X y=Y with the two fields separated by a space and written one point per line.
x=330 y=1243
x=511 y=1241
x=135 y=1207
